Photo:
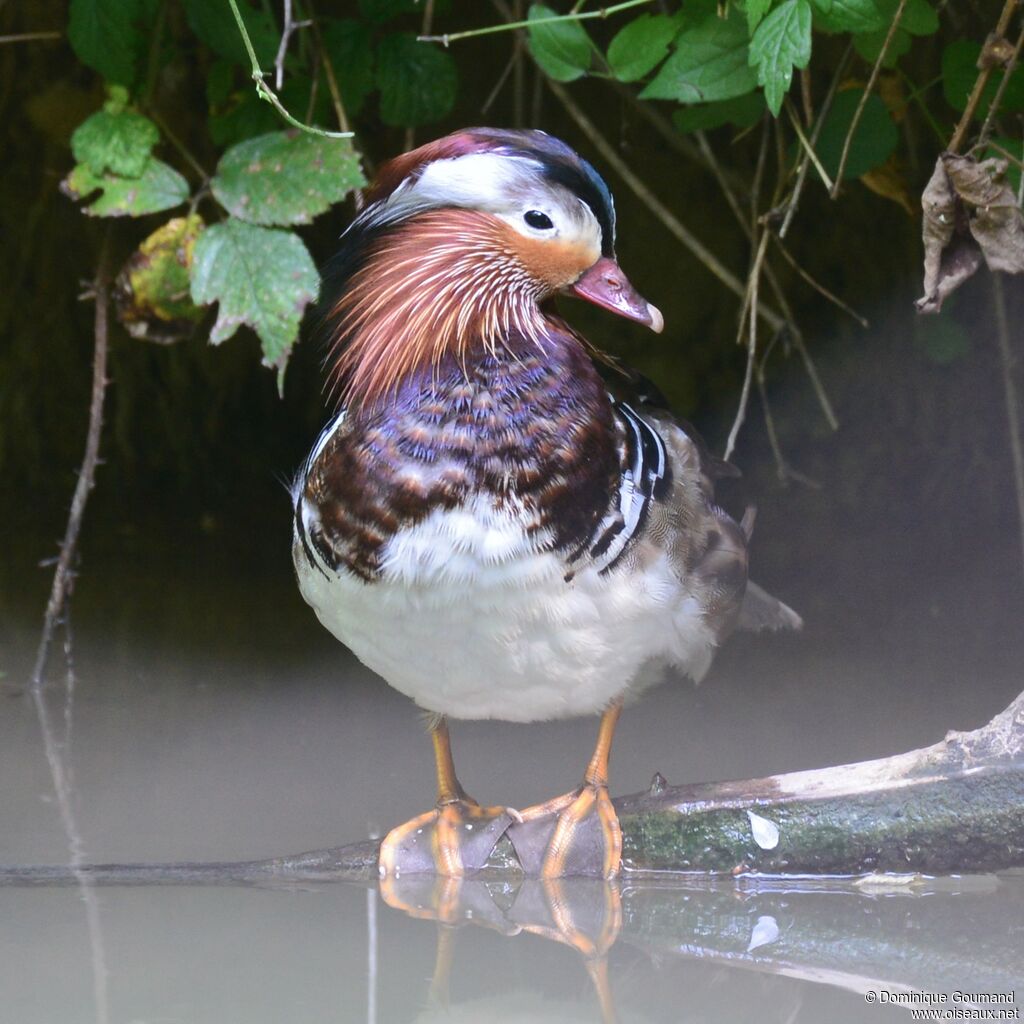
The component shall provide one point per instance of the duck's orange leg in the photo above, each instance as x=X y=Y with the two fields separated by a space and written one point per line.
x=453 y=839
x=585 y=839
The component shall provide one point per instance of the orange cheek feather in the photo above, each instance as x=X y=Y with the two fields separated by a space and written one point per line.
x=555 y=263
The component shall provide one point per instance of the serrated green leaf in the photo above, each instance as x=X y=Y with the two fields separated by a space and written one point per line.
x=349 y=44
x=959 y=71
x=641 y=45
x=782 y=41
x=119 y=142
x=710 y=62
x=105 y=34
x=263 y=277
x=851 y=16
x=160 y=187
x=875 y=139
x=214 y=23
x=562 y=49
x=418 y=81
x=869 y=46
x=756 y=10
x=285 y=177
x=742 y=112
x=822 y=5
x=153 y=287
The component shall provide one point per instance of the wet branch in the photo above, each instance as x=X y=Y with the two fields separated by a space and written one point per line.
x=63 y=576
x=953 y=807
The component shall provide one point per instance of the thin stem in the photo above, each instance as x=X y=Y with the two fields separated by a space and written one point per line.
x=817 y=285
x=1009 y=364
x=29 y=37
x=997 y=100
x=266 y=93
x=801 y=177
x=868 y=89
x=604 y=12
x=667 y=218
x=63 y=576
x=960 y=133
x=808 y=148
x=753 y=286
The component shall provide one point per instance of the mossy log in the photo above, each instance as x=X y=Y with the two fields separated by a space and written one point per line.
x=954 y=807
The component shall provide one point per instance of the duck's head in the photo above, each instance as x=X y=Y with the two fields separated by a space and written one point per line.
x=460 y=242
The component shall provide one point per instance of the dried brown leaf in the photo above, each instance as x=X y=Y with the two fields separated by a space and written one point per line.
x=970 y=214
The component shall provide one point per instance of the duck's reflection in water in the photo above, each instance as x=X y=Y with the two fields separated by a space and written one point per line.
x=585 y=914
x=897 y=934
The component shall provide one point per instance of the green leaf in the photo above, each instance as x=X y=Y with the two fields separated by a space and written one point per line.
x=119 y=141
x=850 y=16
x=710 y=62
x=349 y=44
x=756 y=10
x=562 y=49
x=741 y=112
x=285 y=177
x=873 y=143
x=214 y=23
x=641 y=45
x=919 y=18
x=160 y=187
x=959 y=71
x=782 y=41
x=105 y=35
x=869 y=46
x=153 y=287
x=220 y=80
x=418 y=81
x=263 y=277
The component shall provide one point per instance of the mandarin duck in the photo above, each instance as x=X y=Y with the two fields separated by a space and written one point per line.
x=483 y=524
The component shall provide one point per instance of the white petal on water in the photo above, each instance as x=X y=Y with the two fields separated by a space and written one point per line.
x=765 y=931
x=766 y=833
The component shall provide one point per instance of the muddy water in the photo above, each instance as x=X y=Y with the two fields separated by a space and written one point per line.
x=212 y=719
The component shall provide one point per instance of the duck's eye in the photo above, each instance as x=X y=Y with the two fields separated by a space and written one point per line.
x=538 y=220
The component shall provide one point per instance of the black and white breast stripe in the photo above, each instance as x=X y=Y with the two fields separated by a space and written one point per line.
x=643 y=481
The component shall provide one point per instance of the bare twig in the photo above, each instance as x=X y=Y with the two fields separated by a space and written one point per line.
x=817 y=285
x=1002 y=151
x=1008 y=359
x=604 y=12
x=826 y=106
x=751 y=300
x=807 y=146
x=63 y=583
x=266 y=93
x=670 y=221
x=960 y=133
x=63 y=576
x=868 y=89
x=282 y=50
x=997 y=100
x=30 y=37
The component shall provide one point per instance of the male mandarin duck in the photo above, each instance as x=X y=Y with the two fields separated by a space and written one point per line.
x=484 y=524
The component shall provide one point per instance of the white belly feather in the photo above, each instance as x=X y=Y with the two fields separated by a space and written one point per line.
x=471 y=618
